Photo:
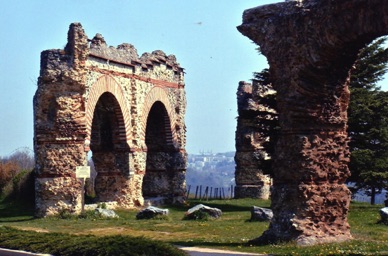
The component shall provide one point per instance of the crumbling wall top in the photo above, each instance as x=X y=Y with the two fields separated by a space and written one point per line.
x=127 y=54
x=79 y=47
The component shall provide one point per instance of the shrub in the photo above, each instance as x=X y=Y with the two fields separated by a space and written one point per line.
x=90 y=214
x=8 y=170
x=65 y=214
x=102 y=205
x=23 y=186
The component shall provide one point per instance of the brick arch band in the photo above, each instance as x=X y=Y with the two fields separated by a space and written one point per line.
x=159 y=94
x=105 y=84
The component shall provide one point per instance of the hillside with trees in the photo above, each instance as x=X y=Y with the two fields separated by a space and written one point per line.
x=16 y=175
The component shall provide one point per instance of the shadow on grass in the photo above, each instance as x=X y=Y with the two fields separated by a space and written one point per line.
x=16 y=211
x=208 y=244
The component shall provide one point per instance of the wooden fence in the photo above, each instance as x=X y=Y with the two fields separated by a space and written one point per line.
x=207 y=192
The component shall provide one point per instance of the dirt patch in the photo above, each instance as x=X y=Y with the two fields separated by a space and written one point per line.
x=40 y=230
x=160 y=235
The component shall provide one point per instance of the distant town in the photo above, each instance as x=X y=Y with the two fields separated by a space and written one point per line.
x=209 y=160
x=211 y=169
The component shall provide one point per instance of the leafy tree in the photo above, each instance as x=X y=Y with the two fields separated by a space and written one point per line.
x=8 y=170
x=368 y=121
x=23 y=157
x=267 y=117
x=16 y=173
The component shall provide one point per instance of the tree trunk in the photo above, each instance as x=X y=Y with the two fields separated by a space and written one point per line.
x=373 y=196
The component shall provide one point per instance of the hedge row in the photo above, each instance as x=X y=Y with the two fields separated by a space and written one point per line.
x=59 y=244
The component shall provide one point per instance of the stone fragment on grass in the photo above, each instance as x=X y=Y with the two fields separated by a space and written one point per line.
x=261 y=214
x=197 y=212
x=384 y=215
x=106 y=213
x=151 y=212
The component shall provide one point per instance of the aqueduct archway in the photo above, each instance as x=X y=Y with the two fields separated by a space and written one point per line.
x=311 y=46
x=127 y=110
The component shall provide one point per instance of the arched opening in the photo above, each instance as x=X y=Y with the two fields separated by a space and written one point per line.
x=109 y=148
x=158 y=176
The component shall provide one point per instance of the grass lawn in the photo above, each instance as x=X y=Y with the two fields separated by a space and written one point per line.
x=231 y=231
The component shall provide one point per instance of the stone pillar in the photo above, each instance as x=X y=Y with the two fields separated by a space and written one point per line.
x=250 y=155
x=311 y=45
x=59 y=124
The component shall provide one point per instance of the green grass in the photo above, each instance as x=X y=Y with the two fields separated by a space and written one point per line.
x=231 y=231
x=68 y=245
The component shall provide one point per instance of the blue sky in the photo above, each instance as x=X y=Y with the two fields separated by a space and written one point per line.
x=201 y=33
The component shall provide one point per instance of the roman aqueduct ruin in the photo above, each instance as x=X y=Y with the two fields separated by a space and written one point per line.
x=311 y=46
x=128 y=110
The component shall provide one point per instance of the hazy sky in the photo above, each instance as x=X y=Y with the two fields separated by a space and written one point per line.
x=201 y=33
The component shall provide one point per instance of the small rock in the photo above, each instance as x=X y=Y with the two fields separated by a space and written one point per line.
x=384 y=215
x=261 y=214
x=105 y=213
x=194 y=213
x=151 y=212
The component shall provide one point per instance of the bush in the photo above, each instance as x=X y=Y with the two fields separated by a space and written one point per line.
x=65 y=214
x=8 y=170
x=73 y=245
x=23 y=186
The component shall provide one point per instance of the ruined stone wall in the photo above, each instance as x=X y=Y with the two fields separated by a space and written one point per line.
x=251 y=180
x=93 y=97
x=311 y=45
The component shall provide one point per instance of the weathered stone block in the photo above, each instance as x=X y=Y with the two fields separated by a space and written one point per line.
x=197 y=211
x=261 y=214
x=262 y=191
x=151 y=212
x=106 y=213
x=384 y=215
x=250 y=154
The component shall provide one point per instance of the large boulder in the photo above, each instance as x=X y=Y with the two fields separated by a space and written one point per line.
x=201 y=211
x=151 y=212
x=106 y=213
x=384 y=215
x=261 y=214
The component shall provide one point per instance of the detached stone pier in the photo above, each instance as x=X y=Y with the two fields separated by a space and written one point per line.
x=311 y=45
x=251 y=180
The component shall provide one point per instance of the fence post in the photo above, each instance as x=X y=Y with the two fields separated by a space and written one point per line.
x=205 y=193
x=188 y=192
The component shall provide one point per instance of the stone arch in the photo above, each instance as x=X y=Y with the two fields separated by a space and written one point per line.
x=107 y=136
x=103 y=85
x=158 y=94
x=312 y=49
x=158 y=131
x=110 y=149
x=157 y=177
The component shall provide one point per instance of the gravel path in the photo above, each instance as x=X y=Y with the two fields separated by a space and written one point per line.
x=197 y=251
